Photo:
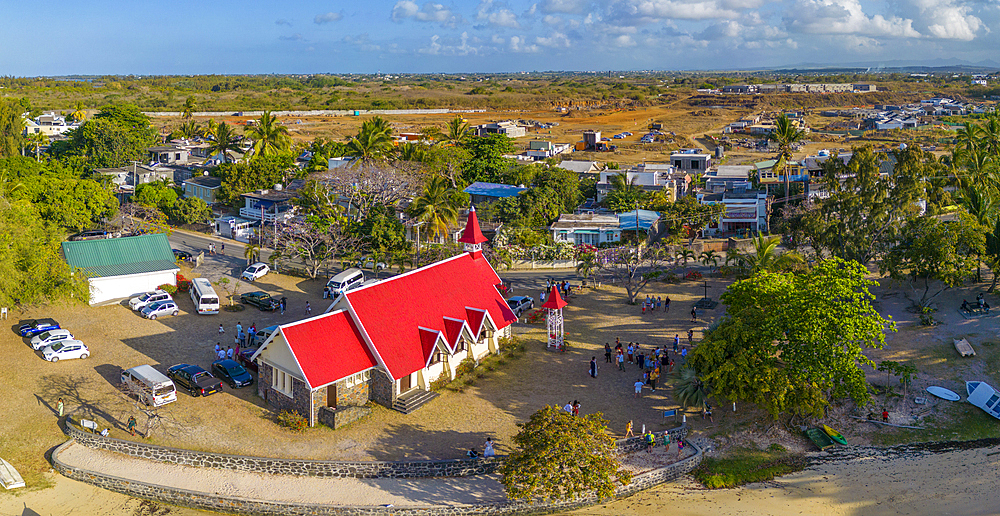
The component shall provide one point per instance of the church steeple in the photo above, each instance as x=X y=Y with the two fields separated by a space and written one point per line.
x=472 y=237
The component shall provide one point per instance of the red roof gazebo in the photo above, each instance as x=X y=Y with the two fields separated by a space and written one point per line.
x=554 y=319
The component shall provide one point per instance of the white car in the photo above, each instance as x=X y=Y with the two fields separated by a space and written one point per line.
x=65 y=350
x=368 y=263
x=255 y=271
x=49 y=338
x=160 y=308
x=144 y=300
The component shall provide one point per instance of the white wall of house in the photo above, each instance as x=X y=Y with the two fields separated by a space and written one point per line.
x=118 y=287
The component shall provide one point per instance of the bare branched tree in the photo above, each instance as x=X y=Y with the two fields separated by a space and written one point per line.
x=369 y=184
x=632 y=267
x=315 y=241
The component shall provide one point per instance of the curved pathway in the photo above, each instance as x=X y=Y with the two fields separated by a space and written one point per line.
x=422 y=492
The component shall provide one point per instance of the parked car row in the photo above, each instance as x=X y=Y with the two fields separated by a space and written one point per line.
x=154 y=304
x=54 y=342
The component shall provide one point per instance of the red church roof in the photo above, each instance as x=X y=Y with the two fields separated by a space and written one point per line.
x=328 y=348
x=392 y=312
x=472 y=234
x=555 y=301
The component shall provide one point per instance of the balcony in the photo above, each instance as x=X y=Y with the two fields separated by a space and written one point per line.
x=267 y=216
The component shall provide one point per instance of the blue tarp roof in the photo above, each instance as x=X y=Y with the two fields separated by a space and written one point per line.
x=626 y=221
x=493 y=189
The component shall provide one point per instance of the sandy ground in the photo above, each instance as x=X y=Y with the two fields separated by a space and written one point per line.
x=870 y=484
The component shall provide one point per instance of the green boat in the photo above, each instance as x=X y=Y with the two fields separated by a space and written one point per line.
x=819 y=438
x=835 y=435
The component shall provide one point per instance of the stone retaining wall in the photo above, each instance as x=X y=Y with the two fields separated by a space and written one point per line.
x=315 y=468
x=211 y=502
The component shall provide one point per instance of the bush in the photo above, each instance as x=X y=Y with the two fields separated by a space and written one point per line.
x=168 y=288
x=440 y=383
x=747 y=465
x=183 y=284
x=292 y=421
x=465 y=367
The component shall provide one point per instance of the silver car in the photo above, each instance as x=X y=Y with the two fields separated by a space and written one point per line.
x=49 y=338
x=144 y=300
x=160 y=308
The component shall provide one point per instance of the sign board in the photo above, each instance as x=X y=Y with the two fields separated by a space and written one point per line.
x=670 y=413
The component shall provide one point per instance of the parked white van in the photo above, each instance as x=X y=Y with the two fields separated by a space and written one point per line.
x=149 y=385
x=206 y=301
x=345 y=281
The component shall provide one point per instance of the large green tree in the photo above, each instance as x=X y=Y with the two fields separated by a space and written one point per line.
x=260 y=172
x=269 y=137
x=436 y=207
x=116 y=136
x=226 y=141
x=488 y=163
x=930 y=250
x=11 y=128
x=791 y=342
x=373 y=141
x=559 y=456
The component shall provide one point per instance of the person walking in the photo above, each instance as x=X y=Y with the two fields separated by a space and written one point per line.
x=576 y=408
x=621 y=360
x=221 y=354
x=223 y=249
x=218 y=346
x=666 y=304
x=631 y=352
x=309 y=309
x=671 y=367
x=60 y=407
x=229 y=352
x=638 y=387
x=694 y=314
x=607 y=353
x=650 y=441
x=593 y=367
x=628 y=429
x=653 y=375
x=221 y=330
x=677 y=342
x=239 y=328
x=488 y=448
x=684 y=355
x=131 y=425
x=284 y=303
x=691 y=337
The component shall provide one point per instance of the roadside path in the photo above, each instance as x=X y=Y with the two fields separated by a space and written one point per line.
x=422 y=492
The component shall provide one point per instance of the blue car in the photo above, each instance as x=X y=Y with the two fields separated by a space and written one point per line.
x=36 y=326
x=232 y=373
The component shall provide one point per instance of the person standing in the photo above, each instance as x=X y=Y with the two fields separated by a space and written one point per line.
x=221 y=330
x=641 y=361
x=671 y=367
x=309 y=309
x=223 y=249
x=568 y=407
x=284 y=303
x=607 y=353
x=576 y=408
x=653 y=375
x=684 y=355
x=621 y=360
x=690 y=337
x=666 y=304
x=541 y=297
x=628 y=429
x=694 y=314
x=488 y=448
x=131 y=425
x=221 y=354
x=631 y=352
x=60 y=407
x=229 y=352
x=659 y=303
x=239 y=328
x=677 y=342
x=643 y=308
x=593 y=367
x=218 y=346
x=638 y=387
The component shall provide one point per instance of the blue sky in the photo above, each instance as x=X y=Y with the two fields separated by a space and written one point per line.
x=307 y=36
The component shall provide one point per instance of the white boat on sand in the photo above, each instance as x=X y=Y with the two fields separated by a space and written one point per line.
x=9 y=477
x=984 y=397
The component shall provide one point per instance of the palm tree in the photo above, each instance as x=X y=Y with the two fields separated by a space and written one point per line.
x=764 y=255
x=969 y=136
x=79 y=114
x=457 y=133
x=709 y=258
x=269 y=138
x=322 y=150
x=225 y=140
x=691 y=390
x=436 y=206
x=685 y=255
x=209 y=128
x=189 y=129
x=188 y=110
x=785 y=134
x=251 y=253
x=374 y=140
x=411 y=152
x=990 y=135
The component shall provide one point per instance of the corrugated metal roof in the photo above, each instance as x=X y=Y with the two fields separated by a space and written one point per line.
x=121 y=256
x=493 y=189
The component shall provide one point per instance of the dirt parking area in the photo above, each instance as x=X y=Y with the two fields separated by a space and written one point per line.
x=237 y=421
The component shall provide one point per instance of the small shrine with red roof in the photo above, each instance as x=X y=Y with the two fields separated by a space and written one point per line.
x=388 y=341
x=554 y=319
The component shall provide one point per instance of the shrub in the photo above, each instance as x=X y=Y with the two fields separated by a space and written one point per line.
x=292 y=421
x=507 y=344
x=183 y=284
x=439 y=384
x=465 y=367
x=747 y=465
x=168 y=288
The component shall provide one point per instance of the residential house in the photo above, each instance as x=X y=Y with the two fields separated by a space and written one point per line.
x=485 y=193
x=865 y=88
x=509 y=128
x=118 y=268
x=770 y=179
x=135 y=175
x=586 y=228
x=691 y=160
x=49 y=124
x=541 y=149
x=204 y=187
x=271 y=204
x=168 y=155
x=728 y=177
x=580 y=167
x=237 y=228
x=649 y=176
x=388 y=341
x=746 y=212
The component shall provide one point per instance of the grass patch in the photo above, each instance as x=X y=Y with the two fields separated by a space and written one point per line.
x=958 y=422
x=747 y=465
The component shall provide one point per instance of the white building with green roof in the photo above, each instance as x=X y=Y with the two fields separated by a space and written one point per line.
x=118 y=268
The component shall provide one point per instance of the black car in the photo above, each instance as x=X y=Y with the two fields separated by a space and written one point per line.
x=261 y=300
x=232 y=373
x=183 y=256
x=195 y=379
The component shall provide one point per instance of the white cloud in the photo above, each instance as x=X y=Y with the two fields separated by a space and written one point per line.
x=946 y=19
x=463 y=48
x=293 y=37
x=363 y=42
x=555 y=40
x=496 y=15
x=329 y=17
x=520 y=45
x=844 y=17
x=624 y=41
x=555 y=21
x=650 y=11
x=430 y=12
